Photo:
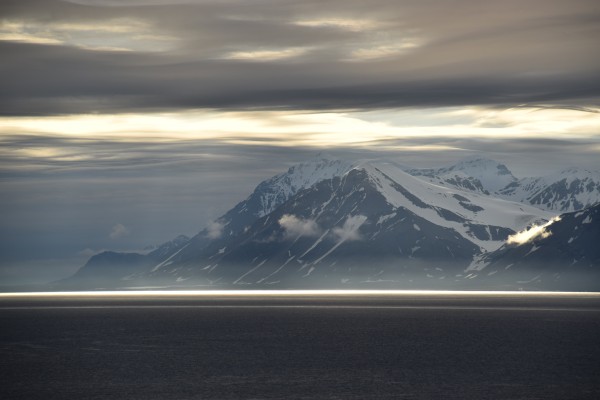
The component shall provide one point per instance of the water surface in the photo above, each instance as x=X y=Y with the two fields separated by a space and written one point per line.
x=301 y=347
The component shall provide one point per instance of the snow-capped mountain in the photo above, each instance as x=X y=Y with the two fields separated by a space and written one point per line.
x=469 y=214
x=568 y=190
x=373 y=223
x=267 y=196
x=326 y=223
x=563 y=254
x=475 y=174
x=273 y=192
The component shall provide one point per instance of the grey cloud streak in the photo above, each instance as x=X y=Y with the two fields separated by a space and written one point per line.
x=472 y=52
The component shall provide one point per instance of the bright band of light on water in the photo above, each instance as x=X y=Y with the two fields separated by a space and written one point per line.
x=291 y=293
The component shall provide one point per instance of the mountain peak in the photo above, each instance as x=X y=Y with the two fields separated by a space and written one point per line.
x=492 y=174
x=324 y=156
x=474 y=173
x=577 y=172
x=477 y=161
x=568 y=190
x=364 y=222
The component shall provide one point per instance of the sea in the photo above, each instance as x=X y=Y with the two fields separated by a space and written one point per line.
x=300 y=345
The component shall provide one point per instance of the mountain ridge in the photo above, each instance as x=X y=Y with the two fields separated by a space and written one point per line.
x=561 y=254
x=416 y=225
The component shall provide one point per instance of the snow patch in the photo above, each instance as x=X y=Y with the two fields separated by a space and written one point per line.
x=237 y=281
x=531 y=280
x=313 y=246
x=478 y=263
x=384 y=218
x=349 y=231
x=533 y=249
x=277 y=270
x=168 y=260
x=425 y=199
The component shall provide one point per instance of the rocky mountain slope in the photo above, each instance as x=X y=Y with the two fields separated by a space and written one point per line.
x=332 y=223
x=109 y=267
x=568 y=190
x=374 y=223
x=475 y=174
x=562 y=254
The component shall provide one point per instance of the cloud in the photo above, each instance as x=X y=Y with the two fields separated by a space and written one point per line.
x=59 y=58
x=295 y=227
x=338 y=55
x=349 y=231
x=87 y=252
x=534 y=232
x=118 y=231
x=265 y=55
x=215 y=230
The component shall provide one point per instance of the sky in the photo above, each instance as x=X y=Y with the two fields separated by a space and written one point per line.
x=126 y=123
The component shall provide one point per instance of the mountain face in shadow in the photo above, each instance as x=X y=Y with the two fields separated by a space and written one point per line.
x=564 y=255
x=332 y=223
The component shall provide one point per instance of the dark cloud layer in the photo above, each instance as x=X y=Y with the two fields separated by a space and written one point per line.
x=461 y=52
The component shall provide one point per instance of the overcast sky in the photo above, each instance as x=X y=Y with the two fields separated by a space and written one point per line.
x=125 y=123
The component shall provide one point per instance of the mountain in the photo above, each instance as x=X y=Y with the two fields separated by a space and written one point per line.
x=267 y=196
x=475 y=174
x=569 y=190
x=109 y=267
x=563 y=254
x=333 y=223
x=373 y=223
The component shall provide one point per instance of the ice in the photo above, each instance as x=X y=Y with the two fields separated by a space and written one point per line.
x=395 y=185
x=548 y=192
x=278 y=269
x=238 y=280
x=314 y=244
x=169 y=259
x=533 y=249
x=531 y=280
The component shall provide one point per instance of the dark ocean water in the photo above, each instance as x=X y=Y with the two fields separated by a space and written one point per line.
x=320 y=348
